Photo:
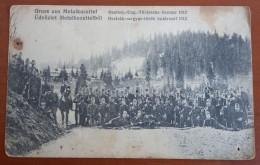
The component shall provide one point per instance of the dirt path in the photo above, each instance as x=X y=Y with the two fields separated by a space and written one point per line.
x=151 y=143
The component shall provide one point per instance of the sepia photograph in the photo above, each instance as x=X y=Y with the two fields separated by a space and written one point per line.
x=170 y=82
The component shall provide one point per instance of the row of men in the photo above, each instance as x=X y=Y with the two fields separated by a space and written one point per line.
x=167 y=110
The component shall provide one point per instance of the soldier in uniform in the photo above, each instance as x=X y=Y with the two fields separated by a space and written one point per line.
x=123 y=107
x=63 y=87
x=237 y=117
x=103 y=111
x=159 y=112
x=92 y=113
x=209 y=112
x=196 y=117
x=52 y=100
x=113 y=109
x=177 y=111
x=148 y=108
x=169 y=111
x=77 y=101
x=103 y=95
x=224 y=116
x=134 y=109
x=26 y=66
x=45 y=87
x=185 y=114
x=82 y=110
x=65 y=105
x=33 y=68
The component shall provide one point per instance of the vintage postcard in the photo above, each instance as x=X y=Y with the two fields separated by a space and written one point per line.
x=130 y=82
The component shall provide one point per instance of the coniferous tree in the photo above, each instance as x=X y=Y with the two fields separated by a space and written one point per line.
x=81 y=80
x=148 y=72
x=180 y=74
x=63 y=74
x=72 y=73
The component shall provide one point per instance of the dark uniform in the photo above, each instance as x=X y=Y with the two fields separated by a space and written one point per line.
x=113 y=110
x=92 y=114
x=169 y=112
x=52 y=101
x=196 y=116
x=82 y=110
x=103 y=110
x=185 y=116
x=65 y=106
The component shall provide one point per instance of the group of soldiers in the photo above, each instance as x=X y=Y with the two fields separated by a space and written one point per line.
x=226 y=109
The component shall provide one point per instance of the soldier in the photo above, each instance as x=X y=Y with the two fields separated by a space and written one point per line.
x=130 y=96
x=140 y=103
x=92 y=113
x=52 y=100
x=103 y=95
x=224 y=115
x=103 y=111
x=97 y=96
x=63 y=87
x=26 y=66
x=148 y=119
x=185 y=114
x=196 y=117
x=169 y=111
x=209 y=112
x=113 y=109
x=137 y=95
x=82 y=110
x=33 y=68
x=159 y=112
x=77 y=100
x=148 y=107
x=127 y=100
x=153 y=96
x=245 y=99
x=177 y=111
x=138 y=119
x=237 y=117
x=202 y=100
x=134 y=109
x=146 y=95
x=91 y=94
x=45 y=87
x=123 y=107
x=65 y=105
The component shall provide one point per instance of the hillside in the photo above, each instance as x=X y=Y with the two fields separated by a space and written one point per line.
x=26 y=128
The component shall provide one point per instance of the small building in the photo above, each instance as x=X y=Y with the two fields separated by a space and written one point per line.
x=56 y=72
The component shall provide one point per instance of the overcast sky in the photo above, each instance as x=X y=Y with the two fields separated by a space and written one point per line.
x=49 y=41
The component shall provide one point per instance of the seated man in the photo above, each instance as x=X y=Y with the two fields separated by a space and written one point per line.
x=238 y=118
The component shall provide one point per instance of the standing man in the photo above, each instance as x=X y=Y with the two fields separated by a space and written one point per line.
x=52 y=102
x=65 y=105
x=77 y=101
x=103 y=111
x=82 y=110
x=92 y=113
x=113 y=109
x=123 y=107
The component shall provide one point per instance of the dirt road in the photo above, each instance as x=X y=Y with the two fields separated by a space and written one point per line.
x=151 y=143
